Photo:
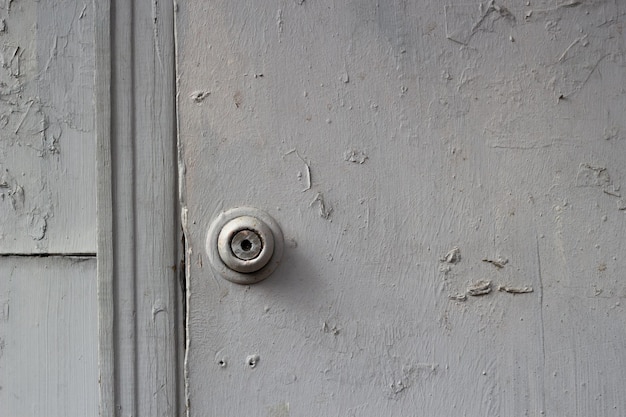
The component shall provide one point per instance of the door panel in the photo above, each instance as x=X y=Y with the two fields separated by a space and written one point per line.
x=48 y=337
x=47 y=141
x=447 y=178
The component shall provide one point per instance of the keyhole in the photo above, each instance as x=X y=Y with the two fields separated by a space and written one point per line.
x=246 y=245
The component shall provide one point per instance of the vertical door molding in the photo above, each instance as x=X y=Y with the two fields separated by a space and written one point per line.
x=138 y=228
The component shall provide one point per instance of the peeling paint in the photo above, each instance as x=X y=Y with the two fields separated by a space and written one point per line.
x=307 y=168
x=468 y=145
x=590 y=176
x=498 y=263
x=199 y=96
x=453 y=256
x=324 y=209
x=458 y=297
x=37 y=226
x=515 y=290
x=478 y=288
x=354 y=156
x=279 y=21
x=463 y=22
x=46 y=86
x=279 y=410
x=330 y=329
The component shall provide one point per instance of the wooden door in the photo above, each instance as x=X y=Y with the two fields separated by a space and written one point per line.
x=447 y=177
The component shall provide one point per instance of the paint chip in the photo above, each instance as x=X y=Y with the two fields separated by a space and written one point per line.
x=354 y=156
x=458 y=297
x=325 y=209
x=453 y=256
x=199 y=96
x=37 y=226
x=515 y=290
x=478 y=288
x=462 y=22
x=328 y=329
x=498 y=263
x=590 y=176
x=307 y=168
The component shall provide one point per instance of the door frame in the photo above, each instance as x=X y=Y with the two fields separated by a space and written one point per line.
x=140 y=315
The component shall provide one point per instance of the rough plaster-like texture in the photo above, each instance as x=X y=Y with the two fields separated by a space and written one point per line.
x=418 y=126
x=47 y=143
x=48 y=337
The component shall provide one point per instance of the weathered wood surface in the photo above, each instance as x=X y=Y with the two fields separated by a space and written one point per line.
x=48 y=337
x=47 y=142
x=426 y=125
x=138 y=289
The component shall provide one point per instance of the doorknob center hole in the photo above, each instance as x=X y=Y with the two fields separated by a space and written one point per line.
x=246 y=245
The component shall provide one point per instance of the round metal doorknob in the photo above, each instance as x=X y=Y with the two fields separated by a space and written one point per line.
x=244 y=245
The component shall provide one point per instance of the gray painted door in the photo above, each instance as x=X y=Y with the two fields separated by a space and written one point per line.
x=448 y=179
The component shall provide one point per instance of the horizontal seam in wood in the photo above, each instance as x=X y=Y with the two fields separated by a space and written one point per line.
x=48 y=255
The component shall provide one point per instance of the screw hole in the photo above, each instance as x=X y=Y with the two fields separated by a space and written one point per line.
x=253 y=360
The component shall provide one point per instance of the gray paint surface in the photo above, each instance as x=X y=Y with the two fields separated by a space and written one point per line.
x=418 y=126
x=140 y=345
x=48 y=353
x=48 y=309
x=47 y=143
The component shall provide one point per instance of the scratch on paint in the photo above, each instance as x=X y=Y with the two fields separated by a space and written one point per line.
x=465 y=34
x=19 y=125
x=612 y=193
x=53 y=54
x=542 y=328
x=576 y=41
x=158 y=308
x=306 y=166
x=82 y=12
x=584 y=82
x=12 y=63
x=155 y=30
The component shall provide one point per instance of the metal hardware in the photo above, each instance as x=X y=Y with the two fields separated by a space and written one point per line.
x=244 y=245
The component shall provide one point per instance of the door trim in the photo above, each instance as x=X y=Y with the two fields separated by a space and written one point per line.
x=140 y=313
